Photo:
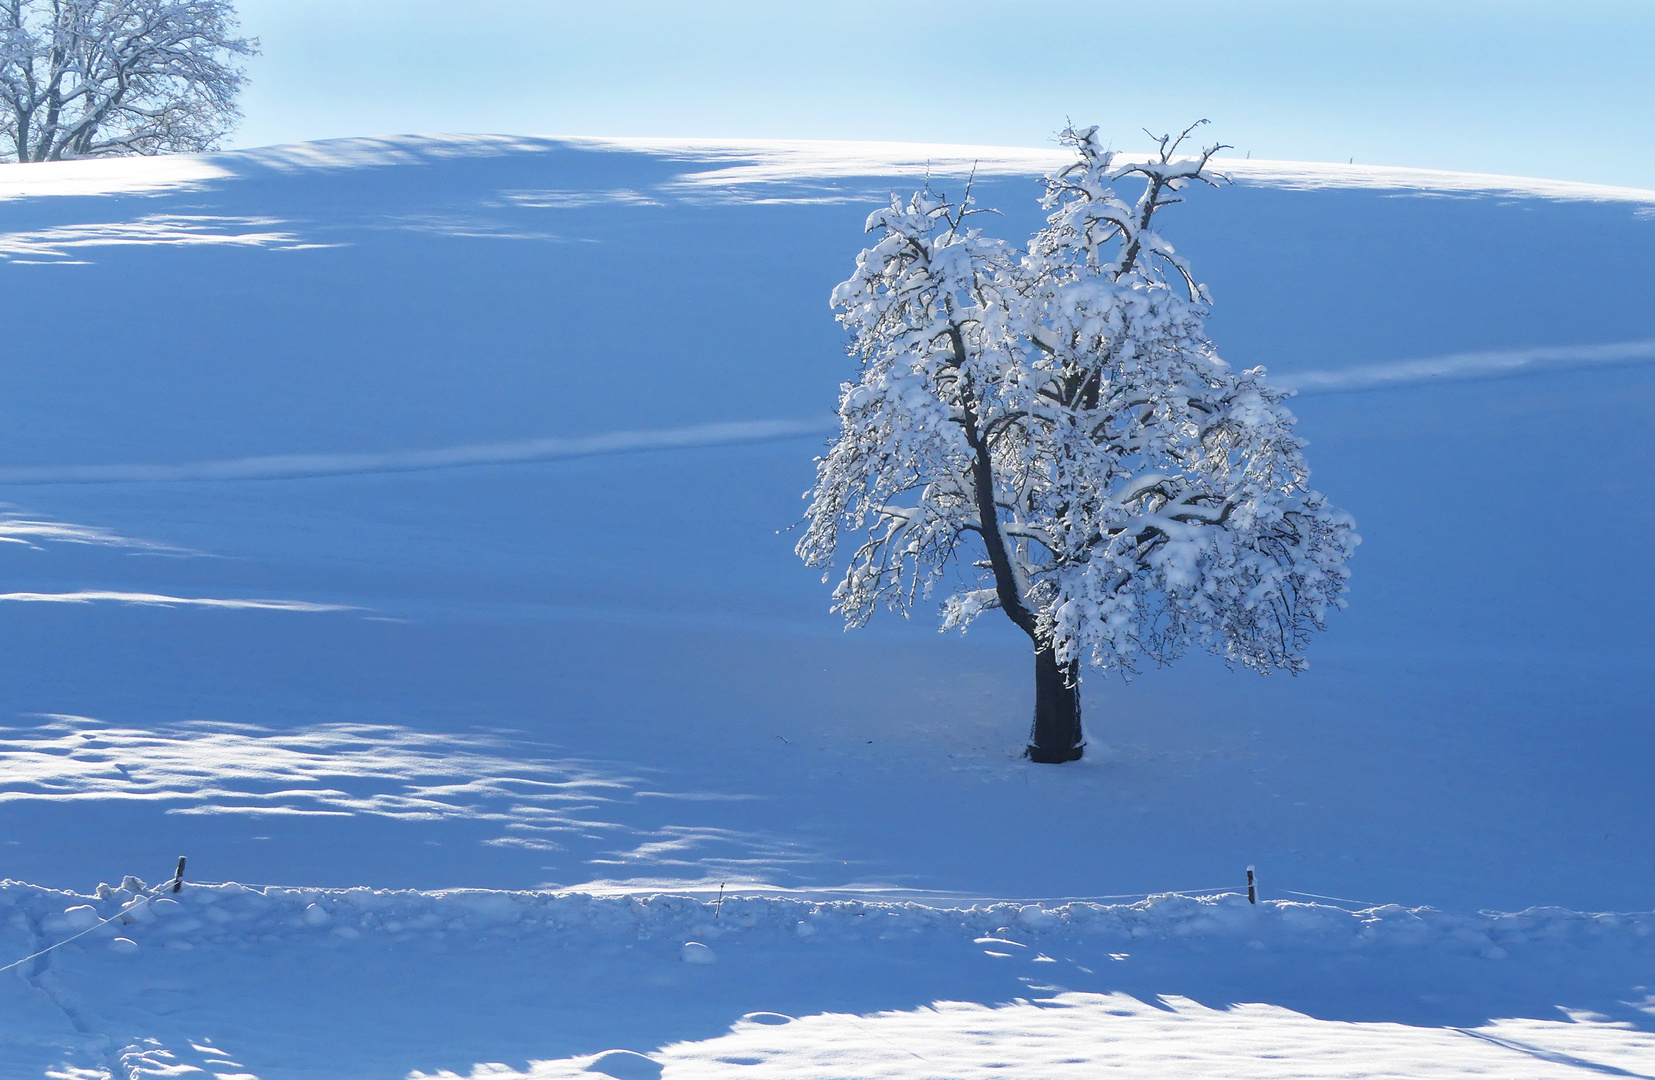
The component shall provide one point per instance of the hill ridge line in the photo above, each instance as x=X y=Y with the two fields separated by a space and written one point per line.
x=742 y=161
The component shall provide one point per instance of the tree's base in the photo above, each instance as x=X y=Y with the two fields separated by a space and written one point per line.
x=1056 y=735
x=1042 y=757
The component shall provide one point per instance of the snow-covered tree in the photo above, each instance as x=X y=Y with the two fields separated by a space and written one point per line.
x=1051 y=430
x=90 y=78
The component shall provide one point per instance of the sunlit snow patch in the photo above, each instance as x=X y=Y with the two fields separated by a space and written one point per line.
x=57 y=244
x=1085 y=1035
x=90 y=596
x=32 y=531
x=108 y=176
x=571 y=199
x=743 y=169
x=539 y=800
x=1314 y=175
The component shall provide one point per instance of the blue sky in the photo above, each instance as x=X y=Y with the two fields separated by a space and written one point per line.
x=1555 y=90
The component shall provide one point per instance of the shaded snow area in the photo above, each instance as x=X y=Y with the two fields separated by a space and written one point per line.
x=401 y=516
x=544 y=985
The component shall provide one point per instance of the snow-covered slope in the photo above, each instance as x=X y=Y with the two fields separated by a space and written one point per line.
x=412 y=513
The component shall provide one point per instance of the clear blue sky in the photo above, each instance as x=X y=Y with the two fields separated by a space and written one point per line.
x=1564 y=90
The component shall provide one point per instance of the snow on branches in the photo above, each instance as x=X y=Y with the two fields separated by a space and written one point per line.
x=91 y=78
x=1055 y=419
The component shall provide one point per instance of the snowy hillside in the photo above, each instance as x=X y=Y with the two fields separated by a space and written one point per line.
x=414 y=514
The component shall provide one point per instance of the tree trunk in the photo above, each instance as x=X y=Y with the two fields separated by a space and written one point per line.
x=1056 y=737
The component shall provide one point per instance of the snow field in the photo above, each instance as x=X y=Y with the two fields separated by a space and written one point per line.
x=258 y=612
x=604 y=604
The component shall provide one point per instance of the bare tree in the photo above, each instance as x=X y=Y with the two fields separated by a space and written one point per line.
x=94 y=78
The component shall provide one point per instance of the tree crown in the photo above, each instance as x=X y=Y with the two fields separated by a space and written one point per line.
x=1052 y=423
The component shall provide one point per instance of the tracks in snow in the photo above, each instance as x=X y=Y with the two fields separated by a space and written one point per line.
x=1452 y=368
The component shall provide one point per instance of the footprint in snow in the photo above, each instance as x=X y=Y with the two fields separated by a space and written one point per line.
x=625 y=1065
x=694 y=952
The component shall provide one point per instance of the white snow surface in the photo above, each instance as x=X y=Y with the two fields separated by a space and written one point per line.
x=425 y=982
x=409 y=518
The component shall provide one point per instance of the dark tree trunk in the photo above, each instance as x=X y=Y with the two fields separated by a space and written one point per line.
x=1056 y=737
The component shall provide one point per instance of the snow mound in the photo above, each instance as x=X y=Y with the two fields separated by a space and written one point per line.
x=227 y=913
